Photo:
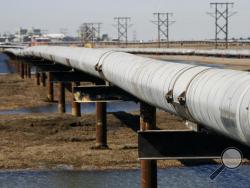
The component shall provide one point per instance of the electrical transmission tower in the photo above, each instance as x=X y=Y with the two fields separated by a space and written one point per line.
x=64 y=31
x=90 y=32
x=134 y=36
x=122 y=27
x=163 y=23
x=221 y=16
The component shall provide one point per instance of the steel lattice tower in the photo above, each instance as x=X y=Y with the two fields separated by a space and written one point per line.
x=122 y=27
x=163 y=22
x=90 y=32
x=221 y=16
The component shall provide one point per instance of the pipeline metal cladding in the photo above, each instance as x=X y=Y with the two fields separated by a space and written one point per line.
x=219 y=99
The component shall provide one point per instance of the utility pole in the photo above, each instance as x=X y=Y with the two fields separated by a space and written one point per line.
x=122 y=27
x=221 y=16
x=163 y=23
x=90 y=32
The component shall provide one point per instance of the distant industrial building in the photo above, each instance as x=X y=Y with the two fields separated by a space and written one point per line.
x=36 y=35
x=27 y=35
x=55 y=37
x=105 y=37
x=6 y=38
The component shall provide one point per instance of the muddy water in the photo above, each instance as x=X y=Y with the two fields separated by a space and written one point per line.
x=86 y=108
x=5 y=68
x=188 y=177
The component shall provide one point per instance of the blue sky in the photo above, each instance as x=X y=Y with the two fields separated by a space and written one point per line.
x=192 y=22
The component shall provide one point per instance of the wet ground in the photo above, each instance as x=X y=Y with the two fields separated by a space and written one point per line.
x=87 y=108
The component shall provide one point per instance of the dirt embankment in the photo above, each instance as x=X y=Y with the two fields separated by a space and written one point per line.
x=24 y=93
x=17 y=93
x=48 y=141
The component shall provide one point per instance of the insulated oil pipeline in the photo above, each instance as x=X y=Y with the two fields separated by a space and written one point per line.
x=216 y=98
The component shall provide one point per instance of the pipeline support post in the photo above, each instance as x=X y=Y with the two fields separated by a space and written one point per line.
x=76 y=107
x=43 y=79
x=25 y=70
x=22 y=70
x=50 y=88
x=101 y=125
x=17 y=67
x=38 y=78
x=29 y=71
x=148 y=167
x=61 y=97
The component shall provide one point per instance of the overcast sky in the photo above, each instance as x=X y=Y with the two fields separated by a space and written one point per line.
x=192 y=22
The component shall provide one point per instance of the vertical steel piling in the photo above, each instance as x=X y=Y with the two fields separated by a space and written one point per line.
x=76 y=107
x=22 y=70
x=37 y=78
x=61 y=97
x=50 y=88
x=101 y=125
x=29 y=71
x=148 y=167
x=43 y=79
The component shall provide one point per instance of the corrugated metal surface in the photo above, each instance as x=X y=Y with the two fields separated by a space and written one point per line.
x=217 y=98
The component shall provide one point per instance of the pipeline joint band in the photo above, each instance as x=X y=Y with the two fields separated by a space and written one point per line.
x=98 y=67
x=182 y=98
x=169 y=96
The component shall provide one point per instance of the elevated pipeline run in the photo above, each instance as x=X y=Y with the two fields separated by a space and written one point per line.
x=216 y=98
x=228 y=53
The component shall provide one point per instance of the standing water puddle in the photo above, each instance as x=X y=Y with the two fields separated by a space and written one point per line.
x=86 y=108
x=5 y=67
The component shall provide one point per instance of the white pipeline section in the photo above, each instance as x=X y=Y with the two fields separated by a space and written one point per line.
x=219 y=99
x=237 y=53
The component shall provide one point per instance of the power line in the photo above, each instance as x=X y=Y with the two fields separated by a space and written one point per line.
x=163 y=23
x=221 y=16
